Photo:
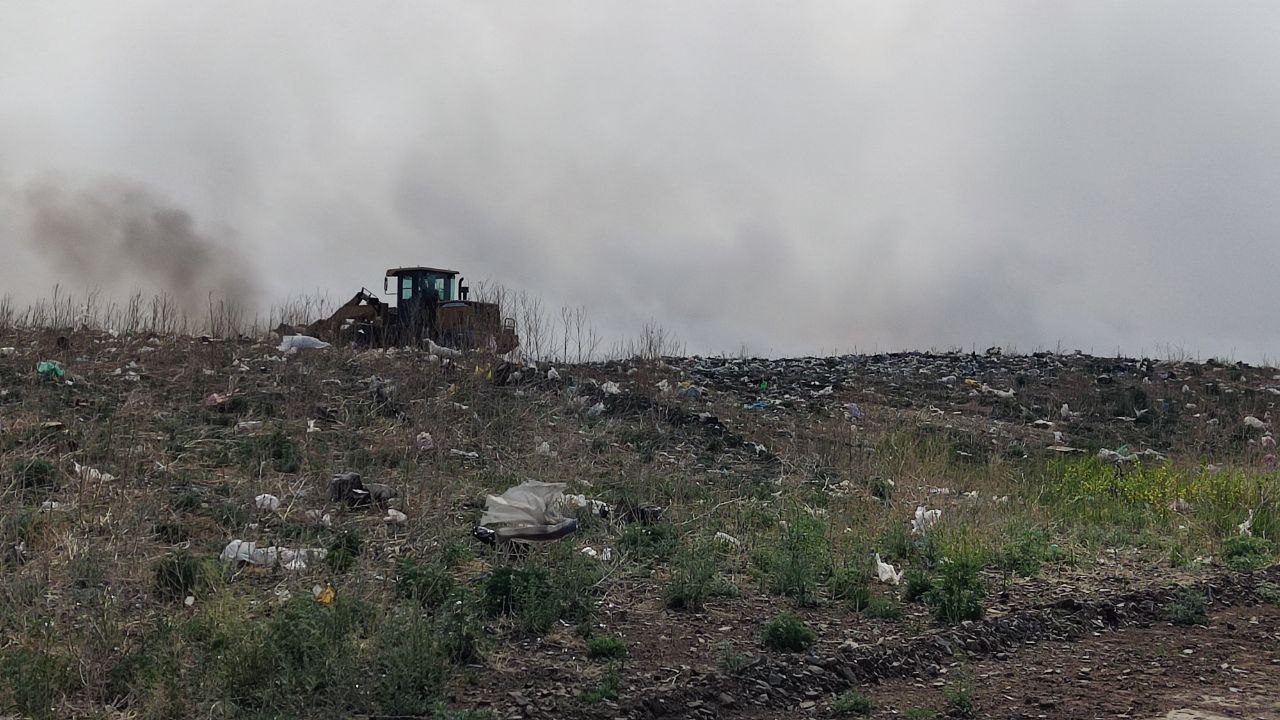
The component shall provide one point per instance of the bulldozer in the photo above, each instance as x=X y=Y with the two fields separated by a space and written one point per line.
x=431 y=304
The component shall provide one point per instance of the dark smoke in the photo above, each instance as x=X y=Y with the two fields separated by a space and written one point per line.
x=122 y=237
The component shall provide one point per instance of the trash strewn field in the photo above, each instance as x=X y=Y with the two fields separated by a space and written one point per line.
x=194 y=527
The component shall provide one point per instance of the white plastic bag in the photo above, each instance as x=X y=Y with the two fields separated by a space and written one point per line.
x=301 y=342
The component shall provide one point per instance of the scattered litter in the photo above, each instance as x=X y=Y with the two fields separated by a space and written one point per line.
x=544 y=449
x=50 y=370
x=267 y=502
x=84 y=472
x=577 y=502
x=324 y=595
x=289 y=559
x=1119 y=456
x=1000 y=499
x=596 y=410
x=828 y=390
x=217 y=399
x=248 y=427
x=1003 y=394
x=924 y=519
x=464 y=453
x=611 y=388
x=395 y=517
x=301 y=342
x=552 y=374
x=1255 y=423
x=51 y=505
x=311 y=426
x=757 y=405
x=854 y=411
x=317 y=517
x=425 y=442
x=7 y=351
x=348 y=487
x=526 y=512
x=1179 y=505
x=1268 y=441
x=726 y=537
x=887 y=573
x=664 y=386
x=442 y=351
x=1246 y=527
x=689 y=393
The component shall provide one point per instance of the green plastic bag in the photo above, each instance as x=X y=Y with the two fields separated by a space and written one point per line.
x=50 y=370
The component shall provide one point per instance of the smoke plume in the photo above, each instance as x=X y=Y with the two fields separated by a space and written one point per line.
x=121 y=237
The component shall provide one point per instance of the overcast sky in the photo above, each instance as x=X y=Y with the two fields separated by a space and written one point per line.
x=794 y=177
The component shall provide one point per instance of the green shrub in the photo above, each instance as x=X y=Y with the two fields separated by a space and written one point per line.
x=802 y=559
x=608 y=687
x=919 y=714
x=278 y=449
x=530 y=595
x=36 y=680
x=884 y=608
x=851 y=587
x=609 y=647
x=428 y=583
x=731 y=661
x=696 y=578
x=958 y=592
x=1186 y=607
x=1246 y=552
x=959 y=695
x=178 y=575
x=1023 y=554
x=788 y=633
x=35 y=474
x=412 y=669
x=343 y=550
x=659 y=541
x=852 y=703
x=917 y=583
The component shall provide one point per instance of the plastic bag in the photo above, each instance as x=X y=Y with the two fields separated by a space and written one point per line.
x=301 y=342
x=530 y=512
x=50 y=370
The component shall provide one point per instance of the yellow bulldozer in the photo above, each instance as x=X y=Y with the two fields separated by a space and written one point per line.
x=431 y=304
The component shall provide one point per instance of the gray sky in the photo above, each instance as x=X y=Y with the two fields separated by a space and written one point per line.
x=792 y=176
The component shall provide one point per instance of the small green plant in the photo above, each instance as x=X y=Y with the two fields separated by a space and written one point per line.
x=916 y=584
x=884 y=608
x=529 y=595
x=1024 y=553
x=37 y=680
x=658 y=541
x=412 y=669
x=958 y=593
x=34 y=474
x=277 y=448
x=788 y=633
x=852 y=703
x=959 y=695
x=1270 y=592
x=607 y=647
x=1186 y=607
x=731 y=661
x=343 y=549
x=802 y=559
x=696 y=578
x=1243 y=552
x=460 y=630
x=178 y=575
x=428 y=583
x=851 y=586
x=919 y=714
x=608 y=687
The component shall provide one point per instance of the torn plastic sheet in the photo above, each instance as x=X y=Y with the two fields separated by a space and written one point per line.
x=531 y=511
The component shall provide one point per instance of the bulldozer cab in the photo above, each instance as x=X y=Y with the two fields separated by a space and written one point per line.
x=432 y=303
